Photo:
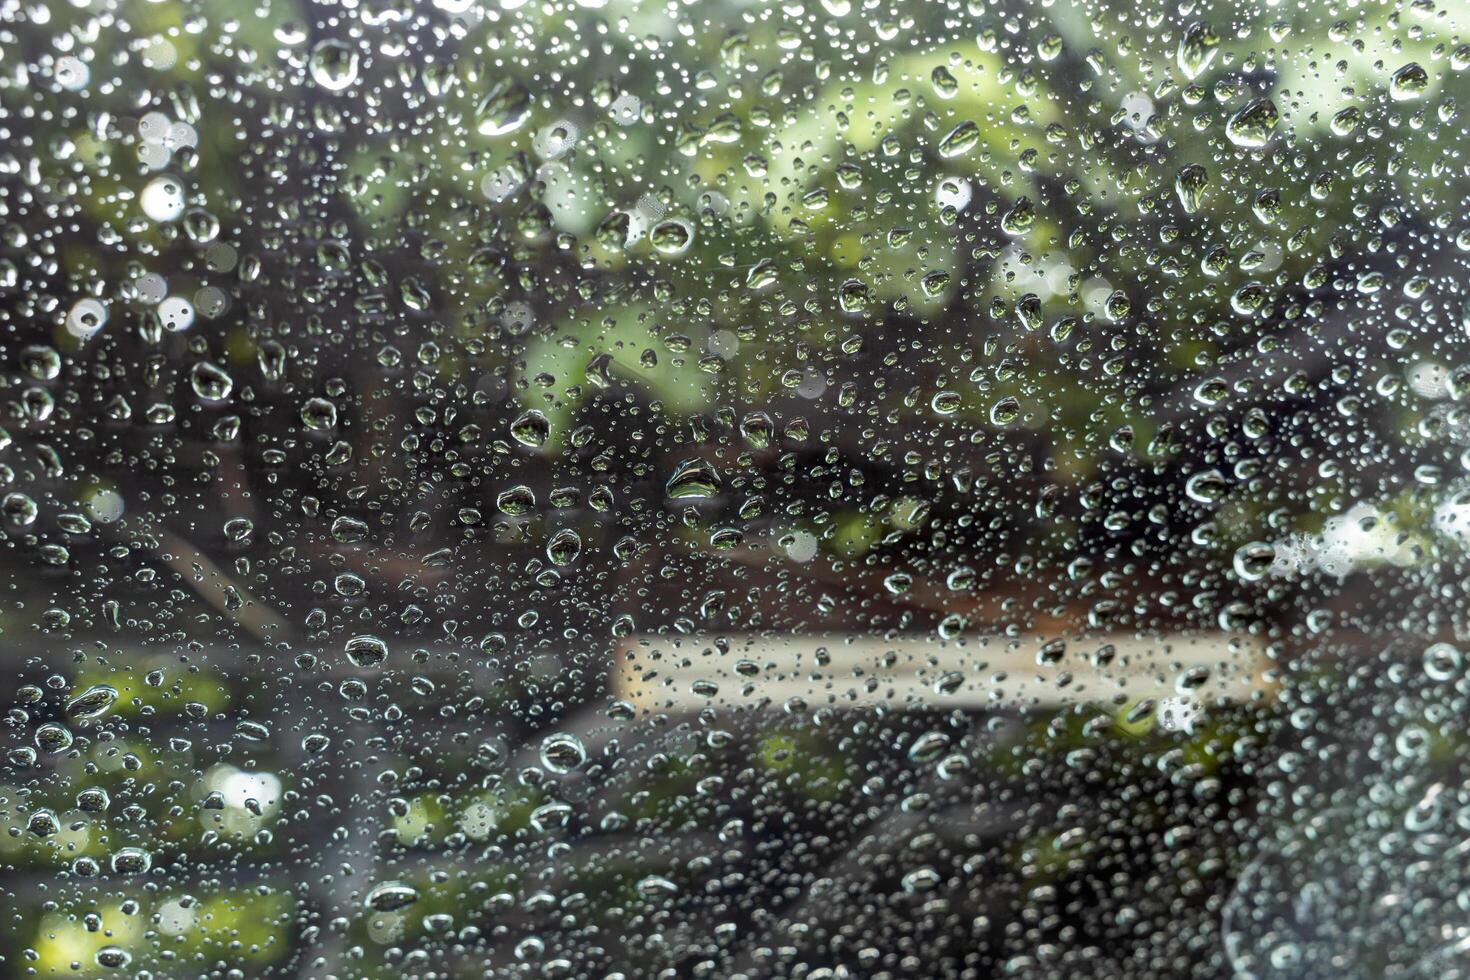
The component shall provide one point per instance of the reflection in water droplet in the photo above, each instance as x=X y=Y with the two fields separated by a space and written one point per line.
x=1252 y=125
x=333 y=64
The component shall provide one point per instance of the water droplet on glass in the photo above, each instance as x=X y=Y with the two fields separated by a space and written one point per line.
x=959 y=140
x=1198 y=46
x=562 y=753
x=366 y=651
x=1252 y=125
x=319 y=415
x=693 y=478
x=1408 y=83
x=390 y=896
x=333 y=64
x=210 y=382
x=503 y=108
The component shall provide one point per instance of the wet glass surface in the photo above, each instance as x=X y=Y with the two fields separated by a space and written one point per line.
x=734 y=489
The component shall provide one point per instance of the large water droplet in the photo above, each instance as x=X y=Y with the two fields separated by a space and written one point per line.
x=390 y=896
x=1408 y=83
x=960 y=140
x=503 y=108
x=693 y=478
x=93 y=702
x=1198 y=46
x=563 y=547
x=1253 y=124
x=1253 y=560
x=210 y=382
x=561 y=753
x=366 y=651
x=333 y=64
x=319 y=415
x=531 y=428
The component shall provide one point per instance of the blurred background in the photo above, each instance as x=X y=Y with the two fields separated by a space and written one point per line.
x=716 y=489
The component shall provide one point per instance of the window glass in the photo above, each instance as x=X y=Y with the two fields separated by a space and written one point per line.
x=730 y=488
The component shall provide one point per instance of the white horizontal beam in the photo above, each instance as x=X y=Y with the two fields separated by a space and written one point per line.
x=690 y=672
